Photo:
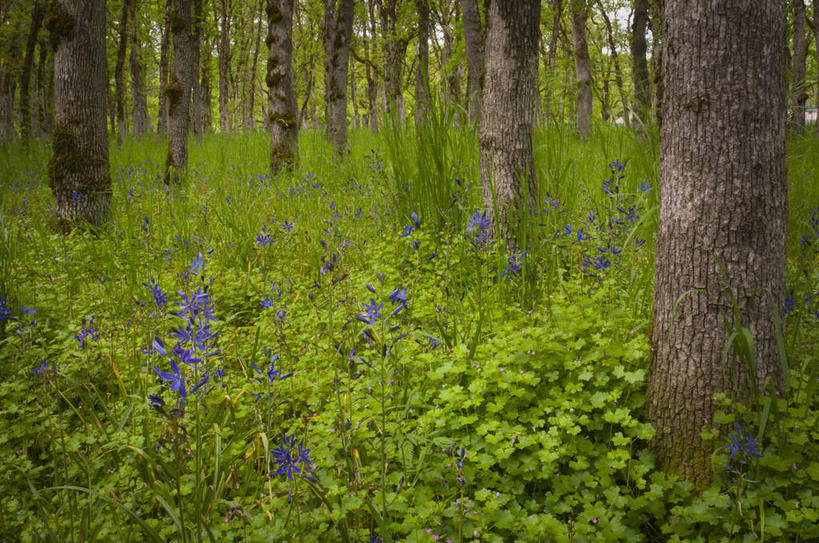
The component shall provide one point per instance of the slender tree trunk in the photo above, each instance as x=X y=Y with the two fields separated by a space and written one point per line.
x=639 y=66
x=78 y=172
x=473 y=36
x=798 y=91
x=162 y=113
x=252 y=97
x=582 y=68
x=723 y=217
x=394 y=49
x=43 y=83
x=308 y=96
x=282 y=107
x=197 y=29
x=550 y=57
x=618 y=74
x=7 y=131
x=179 y=91
x=223 y=50
x=119 y=72
x=372 y=83
x=206 y=108
x=28 y=61
x=356 y=117
x=656 y=22
x=508 y=111
x=338 y=29
x=816 y=44
x=422 y=95
x=139 y=98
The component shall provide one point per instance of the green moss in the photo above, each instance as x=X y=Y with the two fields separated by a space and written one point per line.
x=282 y=157
x=59 y=22
x=65 y=158
x=286 y=119
x=174 y=93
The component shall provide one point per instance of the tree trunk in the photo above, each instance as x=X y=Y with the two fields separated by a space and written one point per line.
x=798 y=94
x=139 y=98
x=197 y=29
x=816 y=43
x=45 y=80
x=206 y=105
x=179 y=91
x=119 y=72
x=252 y=98
x=722 y=207
x=508 y=111
x=356 y=117
x=28 y=61
x=394 y=48
x=338 y=29
x=7 y=131
x=78 y=171
x=656 y=22
x=223 y=50
x=618 y=75
x=282 y=107
x=582 y=68
x=473 y=36
x=372 y=81
x=639 y=66
x=550 y=58
x=422 y=96
x=162 y=113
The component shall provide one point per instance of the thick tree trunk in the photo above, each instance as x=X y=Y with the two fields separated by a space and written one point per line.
x=78 y=171
x=338 y=29
x=722 y=204
x=281 y=102
x=639 y=66
x=618 y=75
x=394 y=49
x=28 y=62
x=179 y=91
x=139 y=97
x=473 y=36
x=422 y=96
x=119 y=71
x=582 y=68
x=162 y=113
x=508 y=111
x=223 y=50
x=798 y=91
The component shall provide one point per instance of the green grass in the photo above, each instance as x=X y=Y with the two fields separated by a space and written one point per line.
x=510 y=411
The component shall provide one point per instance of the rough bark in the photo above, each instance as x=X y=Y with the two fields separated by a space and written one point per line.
x=508 y=110
x=197 y=30
x=7 y=90
x=164 y=61
x=139 y=97
x=639 y=65
x=618 y=74
x=37 y=14
x=395 y=47
x=223 y=50
x=422 y=96
x=78 y=171
x=722 y=203
x=338 y=29
x=798 y=91
x=582 y=68
x=473 y=36
x=179 y=91
x=281 y=101
x=119 y=71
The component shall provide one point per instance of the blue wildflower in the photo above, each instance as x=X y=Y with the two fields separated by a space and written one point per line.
x=289 y=455
x=87 y=332
x=161 y=298
x=197 y=264
x=743 y=446
x=371 y=312
x=176 y=379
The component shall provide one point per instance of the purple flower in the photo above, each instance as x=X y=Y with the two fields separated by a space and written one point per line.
x=176 y=379
x=263 y=239
x=371 y=312
x=161 y=298
x=87 y=332
x=289 y=455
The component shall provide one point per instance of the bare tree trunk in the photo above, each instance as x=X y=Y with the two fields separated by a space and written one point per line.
x=356 y=116
x=338 y=29
x=197 y=29
x=723 y=218
x=119 y=72
x=139 y=98
x=179 y=92
x=44 y=83
x=422 y=95
x=78 y=172
x=639 y=66
x=372 y=82
x=223 y=50
x=283 y=124
x=618 y=75
x=252 y=98
x=395 y=49
x=798 y=91
x=508 y=111
x=656 y=21
x=550 y=57
x=473 y=36
x=582 y=68
x=162 y=113
x=206 y=105
x=28 y=61
x=308 y=96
